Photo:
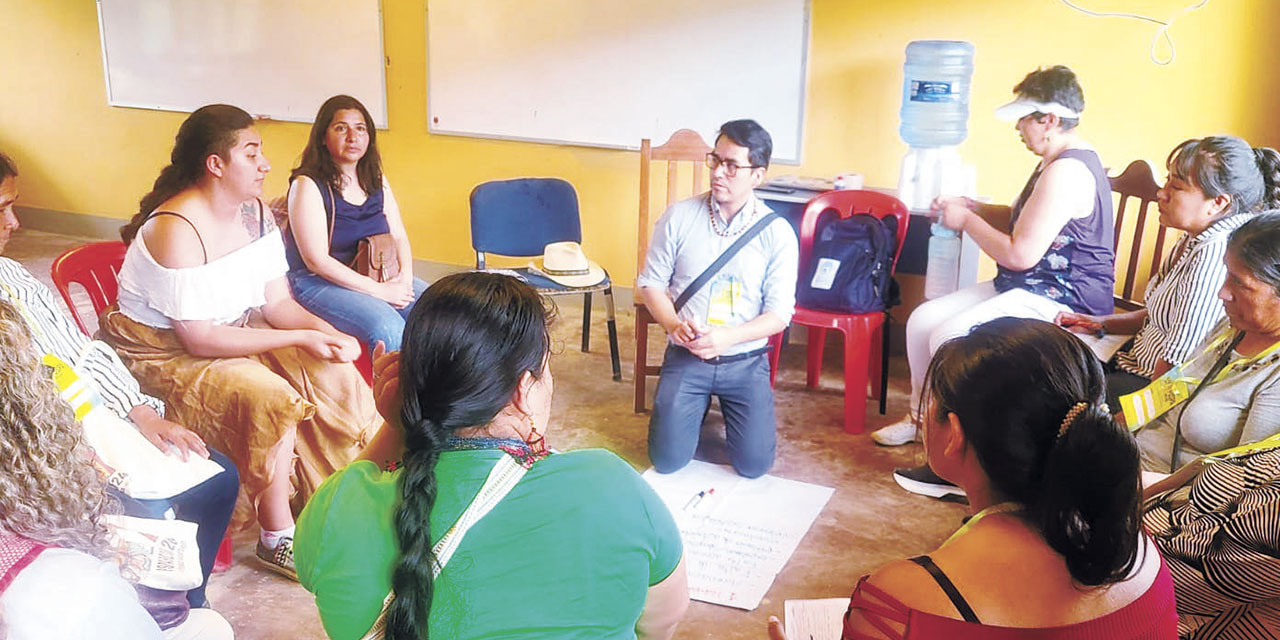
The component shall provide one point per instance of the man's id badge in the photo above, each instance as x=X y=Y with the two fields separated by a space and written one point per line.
x=1163 y=394
x=726 y=292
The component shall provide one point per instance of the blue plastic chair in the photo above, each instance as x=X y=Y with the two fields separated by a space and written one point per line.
x=518 y=218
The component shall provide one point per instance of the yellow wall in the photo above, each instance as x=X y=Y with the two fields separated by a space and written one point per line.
x=77 y=154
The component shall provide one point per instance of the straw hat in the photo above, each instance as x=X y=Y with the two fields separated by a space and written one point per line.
x=566 y=264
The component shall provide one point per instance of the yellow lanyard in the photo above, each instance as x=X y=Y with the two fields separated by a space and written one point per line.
x=1001 y=507
x=22 y=309
x=1190 y=471
x=1222 y=339
x=1174 y=387
x=1245 y=449
x=81 y=396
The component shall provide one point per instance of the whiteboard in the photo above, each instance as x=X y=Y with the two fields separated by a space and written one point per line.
x=278 y=59
x=610 y=72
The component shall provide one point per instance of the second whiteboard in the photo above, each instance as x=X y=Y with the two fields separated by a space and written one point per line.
x=610 y=72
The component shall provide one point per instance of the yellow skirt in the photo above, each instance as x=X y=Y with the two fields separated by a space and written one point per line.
x=245 y=406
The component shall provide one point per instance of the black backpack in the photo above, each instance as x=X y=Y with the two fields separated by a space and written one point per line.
x=849 y=269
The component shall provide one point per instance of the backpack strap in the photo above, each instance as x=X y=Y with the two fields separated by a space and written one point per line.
x=724 y=259
x=1218 y=365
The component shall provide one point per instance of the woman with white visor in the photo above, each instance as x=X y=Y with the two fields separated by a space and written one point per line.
x=1052 y=246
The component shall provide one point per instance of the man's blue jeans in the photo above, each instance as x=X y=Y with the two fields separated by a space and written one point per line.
x=684 y=392
x=363 y=316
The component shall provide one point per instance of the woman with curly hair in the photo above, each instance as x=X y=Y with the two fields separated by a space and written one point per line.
x=57 y=575
x=175 y=475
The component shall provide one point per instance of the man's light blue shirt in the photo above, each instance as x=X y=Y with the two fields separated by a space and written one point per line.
x=684 y=244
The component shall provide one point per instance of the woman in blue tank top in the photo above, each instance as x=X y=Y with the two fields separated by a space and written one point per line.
x=1053 y=247
x=338 y=197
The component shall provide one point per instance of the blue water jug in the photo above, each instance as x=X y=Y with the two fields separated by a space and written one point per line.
x=935 y=93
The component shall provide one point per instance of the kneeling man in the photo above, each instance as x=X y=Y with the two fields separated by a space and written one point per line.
x=718 y=336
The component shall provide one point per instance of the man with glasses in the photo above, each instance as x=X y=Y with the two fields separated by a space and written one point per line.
x=718 y=341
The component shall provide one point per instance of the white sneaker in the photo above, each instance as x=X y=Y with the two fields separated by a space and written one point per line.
x=899 y=433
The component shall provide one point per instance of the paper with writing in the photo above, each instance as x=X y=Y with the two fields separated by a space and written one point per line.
x=739 y=533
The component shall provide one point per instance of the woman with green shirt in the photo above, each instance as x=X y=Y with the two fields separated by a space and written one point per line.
x=574 y=545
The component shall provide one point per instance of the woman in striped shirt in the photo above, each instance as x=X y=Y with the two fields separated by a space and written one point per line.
x=1234 y=375
x=1215 y=525
x=1215 y=184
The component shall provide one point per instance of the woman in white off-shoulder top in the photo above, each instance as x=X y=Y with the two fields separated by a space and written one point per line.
x=206 y=322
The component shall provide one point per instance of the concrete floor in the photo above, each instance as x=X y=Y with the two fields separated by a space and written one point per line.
x=867 y=522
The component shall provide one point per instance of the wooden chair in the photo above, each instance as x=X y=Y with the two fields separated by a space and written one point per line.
x=684 y=145
x=1136 y=184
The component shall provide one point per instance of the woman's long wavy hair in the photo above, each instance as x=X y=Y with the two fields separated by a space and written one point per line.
x=1012 y=382
x=467 y=343
x=209 y=130
x=49 y=491
x=317 y=162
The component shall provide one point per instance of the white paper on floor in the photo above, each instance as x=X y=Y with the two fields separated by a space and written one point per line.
x=815 y=619
x=738 y=533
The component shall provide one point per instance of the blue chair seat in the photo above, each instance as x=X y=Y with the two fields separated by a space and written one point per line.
x=519 y=218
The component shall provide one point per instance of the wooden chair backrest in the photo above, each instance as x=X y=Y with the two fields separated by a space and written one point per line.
x=684 y=145
x=1136 y=185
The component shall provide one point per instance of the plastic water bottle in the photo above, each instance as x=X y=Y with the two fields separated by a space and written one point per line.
x=935 y=92
x=943 y=271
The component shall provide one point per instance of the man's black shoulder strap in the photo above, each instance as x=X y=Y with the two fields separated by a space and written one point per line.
x=724 y=259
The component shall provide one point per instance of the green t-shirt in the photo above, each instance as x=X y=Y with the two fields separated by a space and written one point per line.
x=570 y=553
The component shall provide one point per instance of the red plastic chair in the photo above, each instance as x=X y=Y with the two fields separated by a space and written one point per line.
x=95 y=266
x=863 y=332
x=364 y=364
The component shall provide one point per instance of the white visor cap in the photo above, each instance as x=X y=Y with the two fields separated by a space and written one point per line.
x=1023 y=107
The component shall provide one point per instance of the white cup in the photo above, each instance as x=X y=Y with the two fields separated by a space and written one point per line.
x=848 y=181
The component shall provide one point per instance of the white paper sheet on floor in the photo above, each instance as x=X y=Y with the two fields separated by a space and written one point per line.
x=738 y=533
x=815 y=619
